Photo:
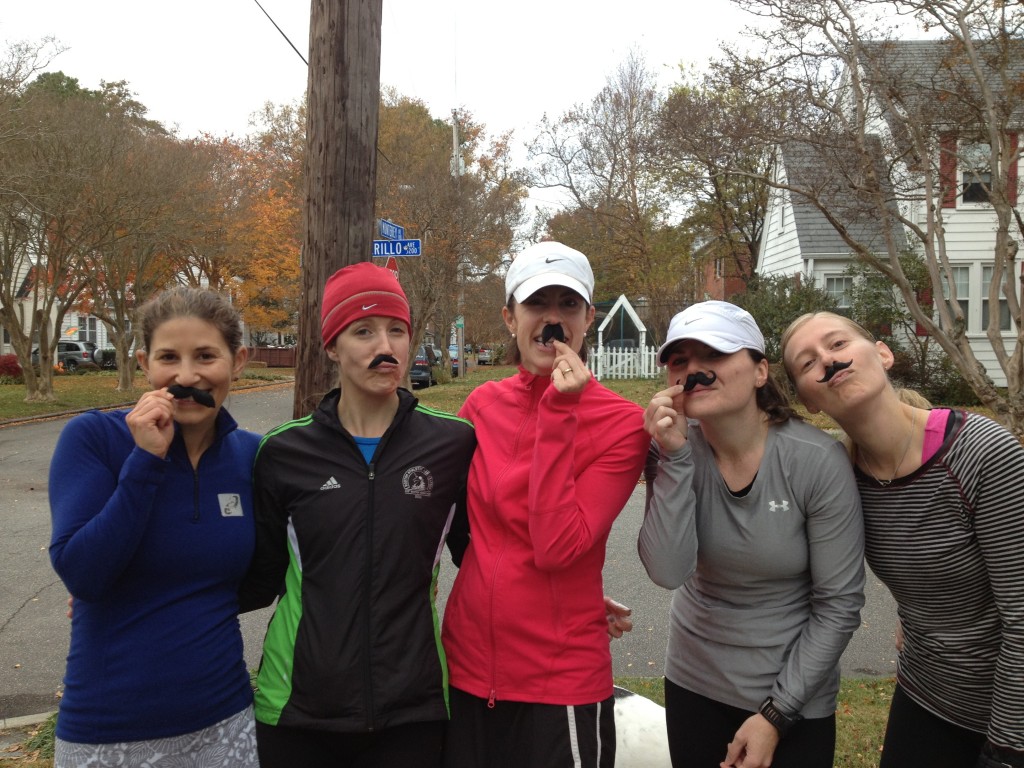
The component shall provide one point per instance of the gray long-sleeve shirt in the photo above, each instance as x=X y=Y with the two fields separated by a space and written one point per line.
x=769 y=585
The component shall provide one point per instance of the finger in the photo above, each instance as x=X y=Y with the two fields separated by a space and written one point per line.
x=616 y=607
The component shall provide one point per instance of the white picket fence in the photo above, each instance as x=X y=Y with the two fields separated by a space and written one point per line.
x=614 y=363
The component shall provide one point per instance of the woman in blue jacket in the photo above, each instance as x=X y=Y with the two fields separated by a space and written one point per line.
x=153 y=549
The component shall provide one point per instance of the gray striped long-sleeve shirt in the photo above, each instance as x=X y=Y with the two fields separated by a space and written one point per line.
x=948 y=542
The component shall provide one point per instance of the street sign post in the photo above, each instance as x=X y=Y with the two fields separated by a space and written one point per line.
x=389 y=230
x=397 y=248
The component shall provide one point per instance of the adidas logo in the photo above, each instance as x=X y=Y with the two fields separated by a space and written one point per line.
x=330 y=485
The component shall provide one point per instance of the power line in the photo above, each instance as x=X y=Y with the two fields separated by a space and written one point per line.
x=282 y=32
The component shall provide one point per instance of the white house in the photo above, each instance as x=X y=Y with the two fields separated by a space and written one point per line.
x=798 y=239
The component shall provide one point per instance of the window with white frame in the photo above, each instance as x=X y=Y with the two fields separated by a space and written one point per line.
x=975 y=171
x=961 y=277
x=840 y=288
x=87 y=328
x=1004 y=308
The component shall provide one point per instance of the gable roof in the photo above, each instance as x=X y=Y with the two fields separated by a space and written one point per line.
x=934 y=81
x=804 y=164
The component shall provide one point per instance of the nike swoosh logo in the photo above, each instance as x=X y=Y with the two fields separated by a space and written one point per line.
x=549 y=261
x=368 y=306
x=686 y=323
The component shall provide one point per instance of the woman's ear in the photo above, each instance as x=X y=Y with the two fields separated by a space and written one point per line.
x=510 y=320
x=241 y=358
x=885 y=354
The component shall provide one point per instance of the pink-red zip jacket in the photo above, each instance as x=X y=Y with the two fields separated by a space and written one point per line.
x=526 y=620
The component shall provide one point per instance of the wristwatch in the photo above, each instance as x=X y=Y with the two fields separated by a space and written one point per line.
x=777 y=717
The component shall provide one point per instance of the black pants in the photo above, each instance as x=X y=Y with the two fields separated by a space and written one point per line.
x=915 y=737
x=700 y=729
x=416 y=745
x=514 y=734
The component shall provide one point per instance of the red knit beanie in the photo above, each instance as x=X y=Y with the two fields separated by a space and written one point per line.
x=360 y=290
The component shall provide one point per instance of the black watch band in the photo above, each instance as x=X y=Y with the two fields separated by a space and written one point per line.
x=777 y=717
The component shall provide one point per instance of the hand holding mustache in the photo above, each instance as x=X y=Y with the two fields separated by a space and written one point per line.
x=699 y=377
x=200 y=396
x=552 y=331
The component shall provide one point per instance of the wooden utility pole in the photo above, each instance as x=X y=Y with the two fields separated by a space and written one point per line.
x=341 y=168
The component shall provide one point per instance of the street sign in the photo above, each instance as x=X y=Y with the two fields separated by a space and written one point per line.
x=390 y=230
x=459 y=322
x=396 y=247
x=392 y=265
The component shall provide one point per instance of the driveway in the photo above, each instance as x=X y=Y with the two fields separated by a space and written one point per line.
x=34 y=630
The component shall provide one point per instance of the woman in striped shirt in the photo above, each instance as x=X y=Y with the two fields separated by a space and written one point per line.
x=944 y=529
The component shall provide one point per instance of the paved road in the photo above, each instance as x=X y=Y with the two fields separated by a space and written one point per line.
x=34 y=630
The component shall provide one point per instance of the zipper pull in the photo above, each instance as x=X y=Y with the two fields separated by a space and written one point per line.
x=490 y=699
x=371 y=474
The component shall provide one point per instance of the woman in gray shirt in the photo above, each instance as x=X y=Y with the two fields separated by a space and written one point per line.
x=753 y=518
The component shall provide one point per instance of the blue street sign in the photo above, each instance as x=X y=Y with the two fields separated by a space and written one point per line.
x=390 y=230
x=397 y=248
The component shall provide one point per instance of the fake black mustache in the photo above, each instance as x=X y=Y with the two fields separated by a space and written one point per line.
x=832 y=370
x=552 y=331
x=698 y=378
x=381 y=359
x=201 y=396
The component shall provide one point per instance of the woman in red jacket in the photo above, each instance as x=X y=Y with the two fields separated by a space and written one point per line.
x=558 y=455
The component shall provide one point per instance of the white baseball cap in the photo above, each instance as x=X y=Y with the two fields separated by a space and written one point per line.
x=719 y=324
x=549 y=263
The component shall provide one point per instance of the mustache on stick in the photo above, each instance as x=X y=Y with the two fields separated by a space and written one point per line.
x=698 y=378
x=381 y=359
x=833 y=369
x=201 y=396
x=552 y=331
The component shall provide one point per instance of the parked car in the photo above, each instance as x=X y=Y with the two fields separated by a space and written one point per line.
x=484 y=356
x=422 y=372
x=73 y=355
x=453 y=352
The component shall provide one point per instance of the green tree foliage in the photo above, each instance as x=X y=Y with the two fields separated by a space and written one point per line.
x=776 y=301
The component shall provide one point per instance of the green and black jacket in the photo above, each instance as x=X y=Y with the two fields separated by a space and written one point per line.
x=354 y=644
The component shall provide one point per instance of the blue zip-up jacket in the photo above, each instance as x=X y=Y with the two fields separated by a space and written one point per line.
x=153 y=553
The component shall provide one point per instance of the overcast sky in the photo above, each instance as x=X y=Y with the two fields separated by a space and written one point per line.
x=207 y=65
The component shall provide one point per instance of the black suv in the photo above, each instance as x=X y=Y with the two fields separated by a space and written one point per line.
x=73 y=355
x=422 y=372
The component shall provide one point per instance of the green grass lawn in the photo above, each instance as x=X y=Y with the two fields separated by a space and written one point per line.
x=97 y=389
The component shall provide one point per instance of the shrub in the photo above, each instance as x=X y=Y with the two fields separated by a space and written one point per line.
x=10 y=370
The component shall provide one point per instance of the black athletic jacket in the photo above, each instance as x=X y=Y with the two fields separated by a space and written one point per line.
x=354 y=644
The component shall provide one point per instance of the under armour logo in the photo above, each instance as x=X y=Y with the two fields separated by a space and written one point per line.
x=778 y=506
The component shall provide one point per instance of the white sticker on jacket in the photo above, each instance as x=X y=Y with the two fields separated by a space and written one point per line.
x=230 y=505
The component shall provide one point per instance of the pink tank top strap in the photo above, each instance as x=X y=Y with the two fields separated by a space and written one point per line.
x=934 y=432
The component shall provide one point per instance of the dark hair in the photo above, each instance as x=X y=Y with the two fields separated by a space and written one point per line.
x=515 y=357
x=191 y=302
x=771 y=398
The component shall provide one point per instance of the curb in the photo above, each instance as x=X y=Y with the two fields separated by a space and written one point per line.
x=118 y=406
x=24 y=721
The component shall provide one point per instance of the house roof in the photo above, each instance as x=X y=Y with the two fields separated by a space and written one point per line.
x=836 y=190
x=934 y=81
